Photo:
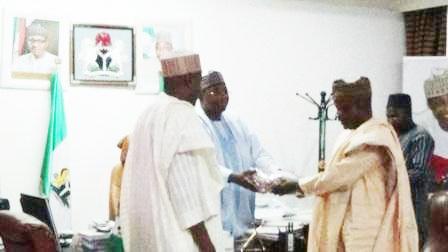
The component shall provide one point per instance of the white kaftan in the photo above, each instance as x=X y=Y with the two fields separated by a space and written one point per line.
x=171 y=181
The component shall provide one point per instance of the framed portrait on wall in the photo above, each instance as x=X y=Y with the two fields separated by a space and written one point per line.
x=416 y=70
x=102 y=55
x=31 y=51
x=154 y=40
x=35 y=48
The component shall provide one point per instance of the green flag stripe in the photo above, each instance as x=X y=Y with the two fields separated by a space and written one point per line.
x=57 y=132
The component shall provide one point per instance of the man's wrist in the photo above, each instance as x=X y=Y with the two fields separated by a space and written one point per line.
x=231 y=178
x=200 y=236
x=299 y=191
x=226 y=173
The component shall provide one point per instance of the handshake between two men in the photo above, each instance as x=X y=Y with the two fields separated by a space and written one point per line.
x=252 y=181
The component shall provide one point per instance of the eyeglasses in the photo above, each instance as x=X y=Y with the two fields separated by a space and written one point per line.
x=217 y=92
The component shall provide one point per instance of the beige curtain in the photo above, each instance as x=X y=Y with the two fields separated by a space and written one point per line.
x=426 y=32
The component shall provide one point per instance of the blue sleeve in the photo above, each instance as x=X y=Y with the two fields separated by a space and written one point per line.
x=261 y=158
x=419 y=157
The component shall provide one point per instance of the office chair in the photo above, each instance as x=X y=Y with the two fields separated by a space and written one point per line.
x=21 y=232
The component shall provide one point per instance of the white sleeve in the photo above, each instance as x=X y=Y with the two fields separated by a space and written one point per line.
x=189 y=189
x=226 y=172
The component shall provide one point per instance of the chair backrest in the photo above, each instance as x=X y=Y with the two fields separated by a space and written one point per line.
x=115 y=191
x=39 y=208
x=21 y=232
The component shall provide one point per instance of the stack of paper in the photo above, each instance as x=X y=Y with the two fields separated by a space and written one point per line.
x=93 y=241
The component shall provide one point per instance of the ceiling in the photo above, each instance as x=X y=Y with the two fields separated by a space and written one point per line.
x=397 y=5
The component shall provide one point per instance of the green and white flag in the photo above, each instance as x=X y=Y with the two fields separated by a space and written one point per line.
x=55 y=174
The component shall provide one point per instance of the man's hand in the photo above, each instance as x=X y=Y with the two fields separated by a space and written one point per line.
x=201 y=238
x=244 y=179
x=284 y=186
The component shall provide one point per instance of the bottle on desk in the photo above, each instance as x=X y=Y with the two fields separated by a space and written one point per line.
x=290 y=237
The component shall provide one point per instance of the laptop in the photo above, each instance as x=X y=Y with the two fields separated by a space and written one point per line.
x=40 y=208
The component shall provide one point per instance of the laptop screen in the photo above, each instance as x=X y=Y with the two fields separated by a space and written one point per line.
x=39 y=208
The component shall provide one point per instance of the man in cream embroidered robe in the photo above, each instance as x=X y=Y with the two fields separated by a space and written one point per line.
x=363 y=198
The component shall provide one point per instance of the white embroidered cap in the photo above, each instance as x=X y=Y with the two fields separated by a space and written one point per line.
x=37 y=29
x=437 y=85
x=180 y=63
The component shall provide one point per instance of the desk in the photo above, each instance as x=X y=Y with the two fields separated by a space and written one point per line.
x=275 y=213
x=259 y=242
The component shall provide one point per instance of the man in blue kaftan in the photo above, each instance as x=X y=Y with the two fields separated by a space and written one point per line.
x=239 y=153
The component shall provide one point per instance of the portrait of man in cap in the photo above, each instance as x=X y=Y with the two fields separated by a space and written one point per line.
x=436 y=122
x=156 y=41
x=35 y=47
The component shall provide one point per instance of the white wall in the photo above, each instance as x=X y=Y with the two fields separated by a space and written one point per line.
x=266 y=50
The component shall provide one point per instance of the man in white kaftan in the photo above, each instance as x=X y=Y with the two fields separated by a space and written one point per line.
x=239 y=152
x=171 y=181
x=363 y=198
